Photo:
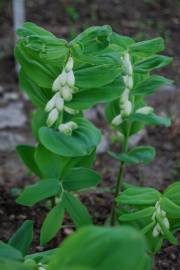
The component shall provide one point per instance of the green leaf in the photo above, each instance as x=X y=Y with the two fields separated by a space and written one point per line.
x=141 y=214
x=148 y=47
x=172 y=209
x=86 y=99
x=122 y=41
x=44 y=189
x=77 y=211
x=80 y=178
x=139 y=196
x=139 y=154
x=150 y=119
x=83 y=139
x=38 y=120
x=52 y=223
x=30 y=28
x=39 y=96
x=103 y=248
x=149 y=85
x=9 y=252
x=96 y=76
x=26 y=153
x=6 y=264
x=23 y=237
x=153 y=62
x=172 y=193
x=166 y=232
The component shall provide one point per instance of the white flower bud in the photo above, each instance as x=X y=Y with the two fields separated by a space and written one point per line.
x=69 y=64
x=66 y=129
x=128 y=81
x=72 y=125
x=126 y=108
x=70 y=111
x=163 y=213
x=156 y=231
x=52 y=117
x=59 y=102
x=145 y=110
x=59 y=81
x=124 y=97
x=127 y=63
x=166 y=223
x=51 y=104
x=70 y=78
x=66 y=93
x=117 y=120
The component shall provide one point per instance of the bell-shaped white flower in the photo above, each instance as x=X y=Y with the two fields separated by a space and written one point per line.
x=127 y=64
x=124 y=97
x=117 y=120
x=70 y=111
x=59 y=102
x=52 y=117
x=70 y=78
x=156 y=231
x=127 y=108
x=69 y=64
x=59 y=81
x=166 y=222
x=72 y=125
x=51 y=104
x=68 y=127
x=66 y=93
x=128 y=81
x=145 y=110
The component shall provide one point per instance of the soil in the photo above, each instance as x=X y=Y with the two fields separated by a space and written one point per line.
x=139 y=19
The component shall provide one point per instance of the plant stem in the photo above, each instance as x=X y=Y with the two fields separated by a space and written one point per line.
x=119 y=181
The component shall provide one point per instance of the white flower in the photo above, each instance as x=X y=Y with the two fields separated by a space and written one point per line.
x=126 y=108
x=69 y=64
x=128 y=81
x=127 y=63
x=68 y=127
x=59 y=102
x=51 y=104
x=70 y=111
x=125 y=96
x=70 y=78
x=66 y=93
x=156 y=231
x=145 y=110
x=59 y=81
x=52 y=117
x=166 y=222
x=117 y=120
x=72 y=125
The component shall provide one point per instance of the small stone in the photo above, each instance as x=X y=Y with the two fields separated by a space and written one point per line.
x=103 y=147
x=12 y=217
x=9 y=140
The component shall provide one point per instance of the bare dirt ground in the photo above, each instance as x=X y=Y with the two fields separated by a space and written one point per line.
x=139 y=19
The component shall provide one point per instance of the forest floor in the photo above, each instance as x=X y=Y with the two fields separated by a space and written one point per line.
x=139 y=19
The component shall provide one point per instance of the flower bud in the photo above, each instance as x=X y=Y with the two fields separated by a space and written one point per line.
x=128 y=81
x=70 y=79
x=124 y=97
x=70 y=111
x=59 y=102
x=72 y=125
x=69 y=64
x=52 y=117
x=66 y=93
x=156 y=231
x=145 y=110
x=51 y=104
x=117 y=120
x=127 y=64
x=166 y=223
x=59 y=81
x=66 y=129
x=127 y=108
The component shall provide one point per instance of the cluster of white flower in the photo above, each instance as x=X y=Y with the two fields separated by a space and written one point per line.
x=125 y=104
x=63 y=85
x=162 y=214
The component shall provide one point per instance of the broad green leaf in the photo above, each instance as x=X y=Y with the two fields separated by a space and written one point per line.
x=149 y=85
x=26 y=153
x=23 y=237
x=122 y=41
x=80 y=178
x=43 y=189
x=139 y=154
x=172 y=209
x=38 y=120
x=88 y=98
x=83 y=139
x=141 y=214
x=150 y=119
x=103 y=248
x=172 y=193
x=96 y=76
x=9 y=252
x=139 y=196
x=148 y=47
x=77 y=211
x=39 y=96
x=153 y=62
x=52 y=223
x=30 y=28
x=6 y=264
